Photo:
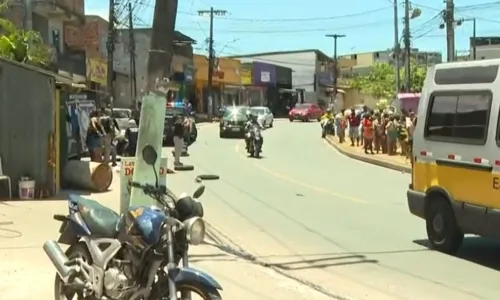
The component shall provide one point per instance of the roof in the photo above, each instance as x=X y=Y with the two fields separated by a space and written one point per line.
x=178 y=36
x=318 y=52
x=96 y=18
x=57 y=77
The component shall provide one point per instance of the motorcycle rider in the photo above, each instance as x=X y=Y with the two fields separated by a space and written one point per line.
x=252 y=121
x=327 y=117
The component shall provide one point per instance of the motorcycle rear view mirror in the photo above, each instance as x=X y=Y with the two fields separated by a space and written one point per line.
x=149 y=155
x=199 y=191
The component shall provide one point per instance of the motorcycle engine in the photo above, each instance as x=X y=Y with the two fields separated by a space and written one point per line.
x=118 y=280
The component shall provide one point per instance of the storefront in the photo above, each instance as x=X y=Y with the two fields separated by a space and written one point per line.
x=286 y=97
x=226 y=83
x=264 y=80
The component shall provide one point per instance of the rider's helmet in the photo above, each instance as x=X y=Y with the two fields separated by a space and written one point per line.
x=131 y=123
x=253 y=117
x=329 y=110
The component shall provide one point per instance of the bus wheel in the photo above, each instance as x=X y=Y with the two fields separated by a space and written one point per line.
x=442 y=229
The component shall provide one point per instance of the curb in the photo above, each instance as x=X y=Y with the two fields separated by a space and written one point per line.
x=368 y=160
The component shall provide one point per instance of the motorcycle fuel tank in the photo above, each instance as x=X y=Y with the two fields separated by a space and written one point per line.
x=144 y=224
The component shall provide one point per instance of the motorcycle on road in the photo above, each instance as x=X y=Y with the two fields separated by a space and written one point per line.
x=327 y=127
x=255 y=144
x=134 y=256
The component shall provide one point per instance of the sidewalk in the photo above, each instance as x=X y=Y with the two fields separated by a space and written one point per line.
x=396 y=162
x=26 y=273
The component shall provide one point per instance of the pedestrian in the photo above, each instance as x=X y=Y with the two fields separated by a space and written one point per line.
x=341 y=125
x=410 y=138
x=379 y=132
x=392 y=135
x=403 y=135
x=108 y=126
x=93 y=138
x=132 y=136
x=383 y=141
x=368 y=133
x=178 y=140
x=354 y=123
x=362 y=117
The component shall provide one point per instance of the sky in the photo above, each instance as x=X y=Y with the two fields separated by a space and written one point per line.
x=252 y=26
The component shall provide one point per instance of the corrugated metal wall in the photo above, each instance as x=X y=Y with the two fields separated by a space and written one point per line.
x=26 y=123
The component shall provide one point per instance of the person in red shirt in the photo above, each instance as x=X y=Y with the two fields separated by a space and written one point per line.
x=354 y=122
x=368 y=132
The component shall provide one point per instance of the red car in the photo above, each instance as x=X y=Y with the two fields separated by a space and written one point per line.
x=305 y=112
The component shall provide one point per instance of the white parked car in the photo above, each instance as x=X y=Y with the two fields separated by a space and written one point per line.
x=264 y=115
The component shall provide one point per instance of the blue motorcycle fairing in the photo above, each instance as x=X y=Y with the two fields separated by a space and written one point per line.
x=149 y=222
x=186 y=275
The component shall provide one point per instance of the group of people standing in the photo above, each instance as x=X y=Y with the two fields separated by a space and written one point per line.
x=377 y=131
x=100 y=135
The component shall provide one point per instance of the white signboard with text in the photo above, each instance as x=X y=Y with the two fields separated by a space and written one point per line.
x=126 y=174
x=265 y=76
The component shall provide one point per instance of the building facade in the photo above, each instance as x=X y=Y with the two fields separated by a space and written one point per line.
x=486 y=47
x=386 y=56
x=226 y=82
x=182 y=62
x=49 y=18
x=305 y=65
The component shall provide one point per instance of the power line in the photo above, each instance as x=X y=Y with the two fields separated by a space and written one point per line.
x=296 y=19
x=319 y=30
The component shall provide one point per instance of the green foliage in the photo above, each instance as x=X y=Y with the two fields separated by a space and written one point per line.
x=23 y=46
x=380 y=82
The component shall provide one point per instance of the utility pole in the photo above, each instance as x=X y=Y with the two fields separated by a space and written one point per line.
x=111 y=50
x=28 y=17
x=133 y=84
x=449 y=19
x=162 y=43
x=211 y=56
x=474 y=38
x=396 y=50
x=335 y=62
x=407 y=42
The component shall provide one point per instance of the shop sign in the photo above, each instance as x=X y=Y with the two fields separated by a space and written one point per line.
x=97 y=71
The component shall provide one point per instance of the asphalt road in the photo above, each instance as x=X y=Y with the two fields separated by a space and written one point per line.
x=338 y=223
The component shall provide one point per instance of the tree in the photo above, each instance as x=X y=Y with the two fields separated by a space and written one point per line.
x=380 y=82
x=24 y=46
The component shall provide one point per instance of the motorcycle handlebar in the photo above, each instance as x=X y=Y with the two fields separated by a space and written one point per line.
x=150 y=189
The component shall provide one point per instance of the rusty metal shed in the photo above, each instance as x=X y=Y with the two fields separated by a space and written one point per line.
x=28 y=135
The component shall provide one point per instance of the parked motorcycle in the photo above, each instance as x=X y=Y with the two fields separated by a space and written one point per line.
x=327 y=127
x=255 y=145
x=132 y=256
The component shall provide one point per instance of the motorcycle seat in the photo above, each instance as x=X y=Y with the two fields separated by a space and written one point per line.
x=101 y=220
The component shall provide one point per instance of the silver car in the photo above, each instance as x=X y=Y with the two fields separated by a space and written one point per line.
x=264 y=115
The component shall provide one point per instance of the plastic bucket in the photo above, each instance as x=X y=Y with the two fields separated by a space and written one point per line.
x=27 y=189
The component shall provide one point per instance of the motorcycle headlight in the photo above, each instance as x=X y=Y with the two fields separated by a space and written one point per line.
x=195 y=230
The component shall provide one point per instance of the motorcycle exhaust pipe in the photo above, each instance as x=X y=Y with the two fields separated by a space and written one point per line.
x=59 y=260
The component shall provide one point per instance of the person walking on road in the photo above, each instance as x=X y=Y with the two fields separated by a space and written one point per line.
x=354 y=123
x=178 y=140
